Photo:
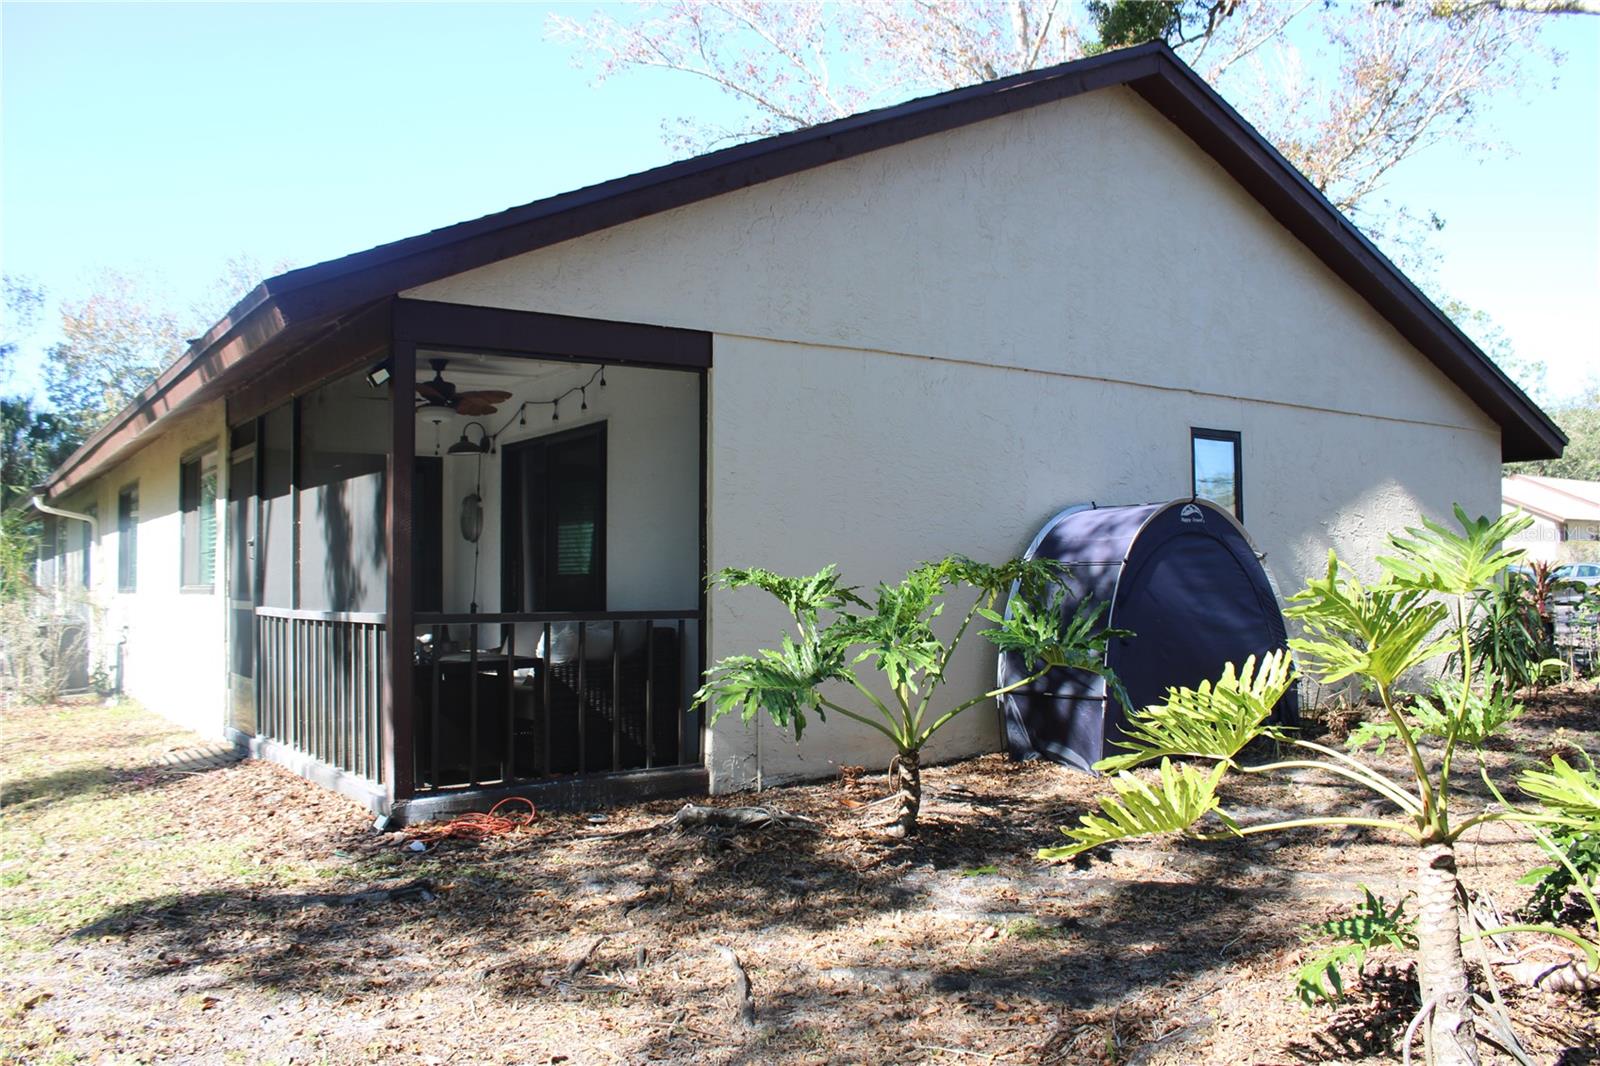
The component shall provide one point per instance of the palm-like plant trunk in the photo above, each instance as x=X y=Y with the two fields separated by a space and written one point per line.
x=907 y=773
x=1441 y=971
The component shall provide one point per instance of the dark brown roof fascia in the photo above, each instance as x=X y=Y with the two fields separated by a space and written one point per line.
x=464 y=327
x=1196 y=109
x=200 y=372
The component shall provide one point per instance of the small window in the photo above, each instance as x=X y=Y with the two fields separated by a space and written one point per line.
x=128 y=539
x=1217 y=468
x=197 y=499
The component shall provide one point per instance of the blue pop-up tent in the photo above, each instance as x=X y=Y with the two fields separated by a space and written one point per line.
x=1185 y=579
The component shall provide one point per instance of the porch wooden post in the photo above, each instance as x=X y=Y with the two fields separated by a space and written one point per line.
x=398 y=732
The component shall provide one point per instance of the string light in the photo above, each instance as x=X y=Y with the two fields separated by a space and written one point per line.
x=521 y=416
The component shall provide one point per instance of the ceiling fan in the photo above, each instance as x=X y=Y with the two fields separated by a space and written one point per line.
x=441 y=393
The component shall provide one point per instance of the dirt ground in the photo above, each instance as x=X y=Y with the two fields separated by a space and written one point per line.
x=157 y=913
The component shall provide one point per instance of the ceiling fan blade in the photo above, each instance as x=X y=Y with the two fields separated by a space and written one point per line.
x=474 y=404
x=434 y=395
x=486 y=395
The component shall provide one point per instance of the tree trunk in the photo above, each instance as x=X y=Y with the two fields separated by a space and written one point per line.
x=1440 y=968
x=907 y=773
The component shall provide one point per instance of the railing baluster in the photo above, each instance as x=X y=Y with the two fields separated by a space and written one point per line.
x=433 y=720
x=472 y=705
x=508 y=757
x=677 y=699
x=345 y=730
x=616 y=696
x=583 y=700
x=380 y=666
x=649 y=693
x=546 y=712
x=325 y=674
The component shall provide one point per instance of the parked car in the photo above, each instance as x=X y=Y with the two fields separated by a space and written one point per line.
x=1576 y=580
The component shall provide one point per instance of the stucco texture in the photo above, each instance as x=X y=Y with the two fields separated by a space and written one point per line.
x=934 y=347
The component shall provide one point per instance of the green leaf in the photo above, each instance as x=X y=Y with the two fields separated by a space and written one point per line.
x=1319 y=980
x=1185 y=795
x=1570 y=793
x=1352 y=630
x=1436 y=558
x=804 y=597
x=1041 y=633
x=1373 y=924
x=783 y=681
x=1214 y=721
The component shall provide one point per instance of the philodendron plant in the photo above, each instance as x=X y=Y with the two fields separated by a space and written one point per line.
x=1376 y=633
x=838 y=633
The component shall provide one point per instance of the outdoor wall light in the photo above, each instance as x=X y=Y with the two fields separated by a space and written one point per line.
x=467 y=446
x=379 y=376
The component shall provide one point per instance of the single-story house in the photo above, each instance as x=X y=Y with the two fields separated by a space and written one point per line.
x=1565 y=513
x=431 y=522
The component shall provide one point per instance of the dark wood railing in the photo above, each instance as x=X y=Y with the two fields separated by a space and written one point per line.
x=319 y=685
x=570 y=694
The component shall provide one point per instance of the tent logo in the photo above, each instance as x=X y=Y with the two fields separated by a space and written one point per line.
x=1191 y=513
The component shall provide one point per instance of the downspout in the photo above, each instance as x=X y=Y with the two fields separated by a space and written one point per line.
x=56 y=512
x=94 y=539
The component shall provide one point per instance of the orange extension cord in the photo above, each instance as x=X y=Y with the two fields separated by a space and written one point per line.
x=476 y=826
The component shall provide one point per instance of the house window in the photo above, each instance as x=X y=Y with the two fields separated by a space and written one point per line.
x=128 y=539
x=1217 y=468
x=555 y=522
x=197 y=500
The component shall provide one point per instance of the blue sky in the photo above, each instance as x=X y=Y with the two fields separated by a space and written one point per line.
x=165 y=139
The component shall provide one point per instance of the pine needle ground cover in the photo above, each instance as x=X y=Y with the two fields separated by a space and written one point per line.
x=151 y=913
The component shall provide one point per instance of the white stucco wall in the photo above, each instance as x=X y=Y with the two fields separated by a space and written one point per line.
x=934 y=347
x=174 y=657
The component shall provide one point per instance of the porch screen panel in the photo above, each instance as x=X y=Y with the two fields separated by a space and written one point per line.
x=241 y=574
x=275 y=539
x=344 y=443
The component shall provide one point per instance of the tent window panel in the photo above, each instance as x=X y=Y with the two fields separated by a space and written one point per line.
x=1218 y=468
x=128 y=539
x=197 y=500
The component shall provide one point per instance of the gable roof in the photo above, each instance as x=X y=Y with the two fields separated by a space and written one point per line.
x=1561 y=498
x=301 y=303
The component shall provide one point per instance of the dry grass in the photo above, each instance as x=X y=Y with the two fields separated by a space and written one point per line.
x=158 y=916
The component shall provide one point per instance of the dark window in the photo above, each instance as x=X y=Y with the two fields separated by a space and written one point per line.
x=128 y=539
x=1218 y=468
x=197 y=500
x=554 y=522
x=427 y=534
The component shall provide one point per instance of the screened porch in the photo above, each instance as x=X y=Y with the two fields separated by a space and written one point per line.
x=524 y=615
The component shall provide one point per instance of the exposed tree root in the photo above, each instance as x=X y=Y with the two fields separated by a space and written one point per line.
x=732 y=819
x=741 y=986
x=1571 y=976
